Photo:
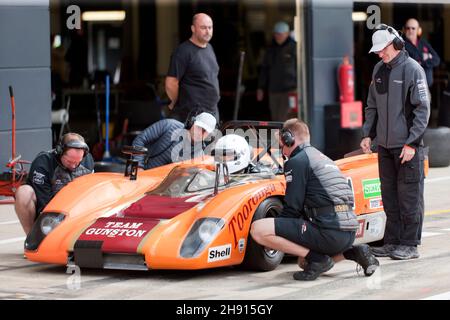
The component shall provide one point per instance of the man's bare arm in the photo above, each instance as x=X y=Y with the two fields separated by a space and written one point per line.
x=172 y=86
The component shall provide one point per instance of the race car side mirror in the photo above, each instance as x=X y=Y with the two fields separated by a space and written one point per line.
x=131 y=168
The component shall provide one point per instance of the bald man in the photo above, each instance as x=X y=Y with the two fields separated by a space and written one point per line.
x=419 y=49
x=192 y=80
x=50 y=171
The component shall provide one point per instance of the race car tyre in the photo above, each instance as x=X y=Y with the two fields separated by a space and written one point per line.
x=438 y=141
x=256 y=256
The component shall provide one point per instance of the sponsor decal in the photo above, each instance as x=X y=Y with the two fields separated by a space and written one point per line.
x=118 y=229
x=38 y=178
x=360 y=231
x=303 y=227
x=332 y=166
x=119 y=234
x=371 y=188
x=375 y=203
x=423 y=89
x=374 y=227
x=288 y=176
x=241 y=245
x=350 y=184
x=239 y=220
x=219 y=253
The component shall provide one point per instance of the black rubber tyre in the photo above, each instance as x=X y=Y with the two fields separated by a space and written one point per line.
x=444 y=109
x=256 y=256
x=438 y=141
x=103 y=166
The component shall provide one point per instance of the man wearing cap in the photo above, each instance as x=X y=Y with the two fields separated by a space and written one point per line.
x=50 y=171
x=279 y=72
x=397 y=114
x=167 y=142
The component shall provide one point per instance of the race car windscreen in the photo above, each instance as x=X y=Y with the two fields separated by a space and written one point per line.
x=182 y=181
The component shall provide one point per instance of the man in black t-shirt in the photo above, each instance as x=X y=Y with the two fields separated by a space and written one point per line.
x=50 y=171
x=192 y=80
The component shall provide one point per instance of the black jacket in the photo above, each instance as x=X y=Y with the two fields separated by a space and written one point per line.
x=279 y=68
x=47 y=176
x=417 y=54
x=314 y=181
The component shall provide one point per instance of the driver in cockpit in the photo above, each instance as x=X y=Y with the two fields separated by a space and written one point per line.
x=236 y=153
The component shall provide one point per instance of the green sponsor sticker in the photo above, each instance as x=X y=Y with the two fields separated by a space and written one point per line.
x=371 y=188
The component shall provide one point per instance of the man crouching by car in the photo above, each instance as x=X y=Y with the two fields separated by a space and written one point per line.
x=50 y=171
x=317 y=222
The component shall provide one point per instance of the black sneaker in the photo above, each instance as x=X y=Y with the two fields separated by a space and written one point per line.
x=404 y=253
x=365 y=259
x=383 y=251
x=313 y=270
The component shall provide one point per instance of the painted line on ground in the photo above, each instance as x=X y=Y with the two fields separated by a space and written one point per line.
x=6 y=241
x=428 y=180
x=448 y=229
x=10 y=222
x=442 y=296
x=430 y=234
x=430 y=213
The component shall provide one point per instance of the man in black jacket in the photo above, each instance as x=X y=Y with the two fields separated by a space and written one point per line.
x=317 y=222
x=279 y=73
x=397 y=114
x=50 y=171
x=420 y=50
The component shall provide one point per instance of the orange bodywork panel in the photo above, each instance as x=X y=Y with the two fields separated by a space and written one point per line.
x=129 y=218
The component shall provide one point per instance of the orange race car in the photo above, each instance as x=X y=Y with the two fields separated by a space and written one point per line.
x=190 y=215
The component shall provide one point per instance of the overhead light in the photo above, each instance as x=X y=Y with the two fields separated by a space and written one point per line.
x=56 y=41
x=118 y=15
x=359 y=16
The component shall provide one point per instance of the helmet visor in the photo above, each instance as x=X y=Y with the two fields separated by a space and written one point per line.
x=225 y=155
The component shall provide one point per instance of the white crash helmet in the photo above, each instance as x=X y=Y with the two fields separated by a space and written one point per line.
x=233 y=150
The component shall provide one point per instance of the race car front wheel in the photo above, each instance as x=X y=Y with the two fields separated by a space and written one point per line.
x=258 y=257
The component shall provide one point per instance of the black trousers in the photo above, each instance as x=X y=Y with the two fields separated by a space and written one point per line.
x=402 y=187
x=311 y=236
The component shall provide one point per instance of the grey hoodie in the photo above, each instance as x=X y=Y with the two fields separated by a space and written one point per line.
x=398 y=104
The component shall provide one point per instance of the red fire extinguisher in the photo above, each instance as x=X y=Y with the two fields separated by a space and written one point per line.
x=293 y=104
x=346 y=81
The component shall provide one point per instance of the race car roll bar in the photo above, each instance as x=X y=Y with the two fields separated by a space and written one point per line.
x=255 y=126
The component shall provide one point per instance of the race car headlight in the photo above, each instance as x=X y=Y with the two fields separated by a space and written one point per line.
x=201 y=234
x=50 y=222
x=44 y=224
x=207 y=230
